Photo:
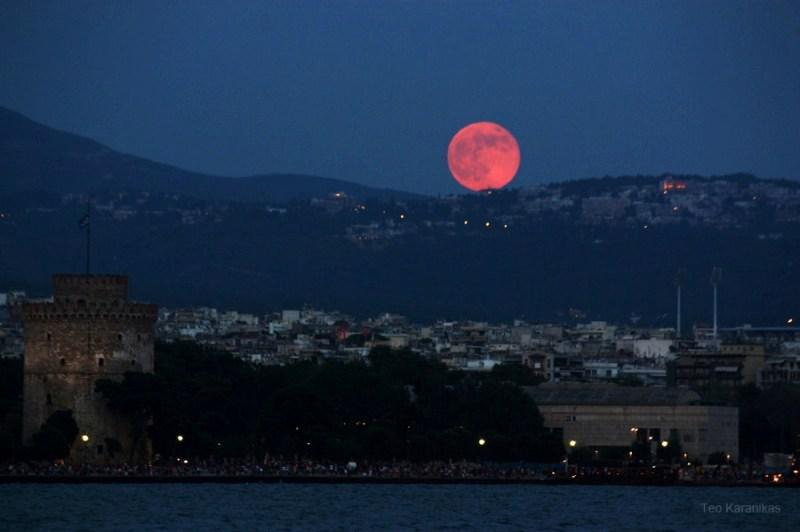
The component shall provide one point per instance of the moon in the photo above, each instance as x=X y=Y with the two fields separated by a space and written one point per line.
x=483 y=156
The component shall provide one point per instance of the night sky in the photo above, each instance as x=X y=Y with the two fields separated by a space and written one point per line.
x=372 y=91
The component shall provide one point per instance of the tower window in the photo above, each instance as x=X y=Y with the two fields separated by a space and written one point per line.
x=99 y=449
x=63 y=361
x=101 y=361
x=49 y=400
x=133 y=362
x=49 y=337
x=119 y=337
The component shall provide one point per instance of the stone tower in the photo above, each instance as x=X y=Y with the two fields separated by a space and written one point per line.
x=89 y=331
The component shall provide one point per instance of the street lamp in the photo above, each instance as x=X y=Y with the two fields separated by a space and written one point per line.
x=179 y=438
x=572 y=444
x=665 y=444
x=85 y=438
x=481 y=442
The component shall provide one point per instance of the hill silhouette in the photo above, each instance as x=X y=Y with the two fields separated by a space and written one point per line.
x=38 y=158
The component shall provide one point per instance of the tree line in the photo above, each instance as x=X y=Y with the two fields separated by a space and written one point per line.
x=396 y=405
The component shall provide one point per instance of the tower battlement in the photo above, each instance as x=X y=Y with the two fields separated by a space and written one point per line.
x=69 y=288
x=94 y=310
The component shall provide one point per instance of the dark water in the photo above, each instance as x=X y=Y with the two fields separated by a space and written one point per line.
x=218 y=507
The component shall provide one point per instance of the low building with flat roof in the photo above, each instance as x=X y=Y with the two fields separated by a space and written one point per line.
x=608 y=415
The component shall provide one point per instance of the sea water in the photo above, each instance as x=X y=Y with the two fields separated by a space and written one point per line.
x=197 y=507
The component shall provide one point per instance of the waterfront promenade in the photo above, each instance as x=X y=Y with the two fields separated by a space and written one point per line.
x=307 y=471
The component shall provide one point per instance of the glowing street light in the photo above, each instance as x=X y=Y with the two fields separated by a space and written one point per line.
x=572 y=444
x=84 y=438
x=665 y=444
x=179 y=437
x=481 y=442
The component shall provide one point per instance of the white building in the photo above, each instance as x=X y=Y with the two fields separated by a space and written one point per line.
x=655 y=348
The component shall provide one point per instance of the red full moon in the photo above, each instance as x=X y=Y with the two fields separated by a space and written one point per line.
x=482 y=156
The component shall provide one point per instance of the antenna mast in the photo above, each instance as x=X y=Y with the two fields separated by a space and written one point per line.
x=678 y=283
x=716 y=277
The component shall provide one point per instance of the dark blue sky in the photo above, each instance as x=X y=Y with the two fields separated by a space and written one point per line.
x=372 y=91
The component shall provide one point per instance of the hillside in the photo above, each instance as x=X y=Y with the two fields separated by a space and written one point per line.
x=37 y=158
x=605 y=248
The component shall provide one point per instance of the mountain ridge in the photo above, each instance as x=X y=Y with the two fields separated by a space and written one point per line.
x=35 y=157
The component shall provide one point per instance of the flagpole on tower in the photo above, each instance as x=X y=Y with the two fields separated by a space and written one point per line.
x=89 y=237
x=86 y=223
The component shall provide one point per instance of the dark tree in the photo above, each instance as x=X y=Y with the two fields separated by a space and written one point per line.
x=397 y=405
x=54 y=440
x=137 y=397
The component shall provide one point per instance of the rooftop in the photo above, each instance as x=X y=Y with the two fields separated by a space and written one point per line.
x=609 y=394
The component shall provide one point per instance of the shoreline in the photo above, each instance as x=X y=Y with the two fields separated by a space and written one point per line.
x=268 y=479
